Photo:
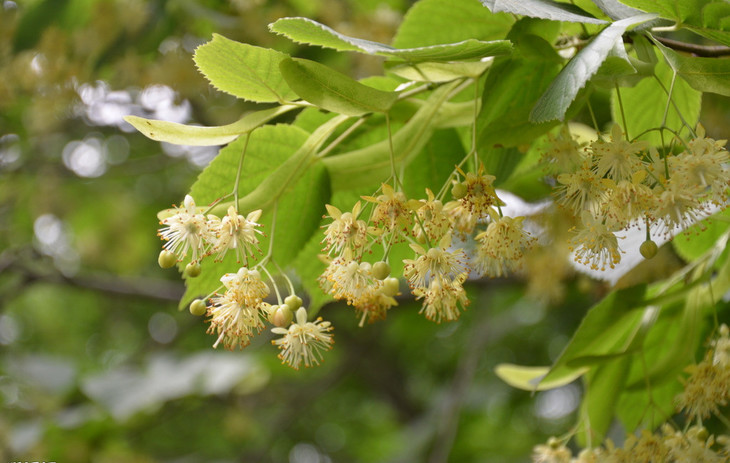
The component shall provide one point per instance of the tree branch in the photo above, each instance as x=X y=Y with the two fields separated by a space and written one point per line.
x=707 y=51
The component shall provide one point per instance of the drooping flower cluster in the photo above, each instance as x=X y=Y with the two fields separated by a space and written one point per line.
x=240 y=311
x=705 y=391
x=612 y=185
x=708 y=386
x=437 y=272
x=303 y=341
x=188 y=230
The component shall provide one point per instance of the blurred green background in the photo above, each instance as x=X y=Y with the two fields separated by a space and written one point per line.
x=97 y=364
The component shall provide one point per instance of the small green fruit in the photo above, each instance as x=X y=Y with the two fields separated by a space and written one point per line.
x=458 y=191
x=293 y=301
x=381 y=270
x=648 y=249
x=192 y=270
x=166 y=259
x=197 y=307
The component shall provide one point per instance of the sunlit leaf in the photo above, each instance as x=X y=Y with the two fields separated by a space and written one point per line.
x=243 y=70
x=555 y=101
x=194 y=135
x=311 y=32
x=531 y=378
x=643 y=106
x=544 y=9
x=423 y=23
x=703 y=74
x=334 y=91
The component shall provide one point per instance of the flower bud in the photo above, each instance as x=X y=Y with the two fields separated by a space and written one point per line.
x=391 y=286
x=381 y=270
x=192 y=270
x=197 y=307
x=293 y=301
x=458 y=191
x=648 y=249
x=281 y=316
x=166 y=259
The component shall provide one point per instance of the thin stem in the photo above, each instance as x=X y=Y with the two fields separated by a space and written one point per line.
x=286 y=277
x=215 y=203
x=623 y=114
x=474 y=126
x=393 y=171
x=273 y=283
x=238 y=172
x=593 y=118
x=270 y=252
x=679 y=113
x=342 y=137
x=414 y=91
x=669 y=99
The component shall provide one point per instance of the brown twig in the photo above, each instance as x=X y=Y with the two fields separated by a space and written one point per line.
x=707 y=51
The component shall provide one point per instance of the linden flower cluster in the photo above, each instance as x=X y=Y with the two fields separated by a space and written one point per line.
x=438 y=270
x=705 y=391
x=611 y=185
x=240 y=311
x=188 y=230
x=708 y=386
x=668 y=445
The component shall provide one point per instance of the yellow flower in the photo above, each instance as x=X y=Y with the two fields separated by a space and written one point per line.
x=436 y=263
x=595 y=244
x=617 y=159
x=443 y=299
x=433 y=222
x=303 y=342
x=564 y=153
x=239 y=313
x=186 y=230
x=391 y=210
x=236 y=232
x=502 y=246
x=580 y=190
x=553 y=452
x=480 y=194
x=345 y=231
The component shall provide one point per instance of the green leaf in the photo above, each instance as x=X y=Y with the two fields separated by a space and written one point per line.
x=511 y=89
x=372 y=165
x=555 y=101
x=703 y=74
x=544 y=9
x=181 y=134
x=276 y=183
x=639 y=406
x=433 y=165
x=615 y=9
x=604 y=388
x=645 y=102
x=424 y=22
x=677 y=10
x=606 y=329
x=307 y=31
x=701 y=237
x=244 y=71
x=333 y=91
x=531 y=378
